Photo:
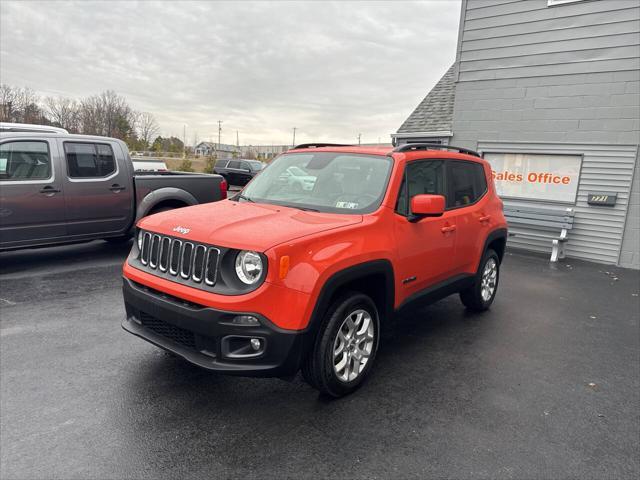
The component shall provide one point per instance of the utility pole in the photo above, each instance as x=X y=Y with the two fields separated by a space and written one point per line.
x=359 y=137
x=184 y=141
x=294 y=136
x=219 y=132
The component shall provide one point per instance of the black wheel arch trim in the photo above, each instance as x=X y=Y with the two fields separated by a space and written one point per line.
x=497 y=234
x=350 y=274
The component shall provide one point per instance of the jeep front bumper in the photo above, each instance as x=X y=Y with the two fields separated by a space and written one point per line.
x=207 y=337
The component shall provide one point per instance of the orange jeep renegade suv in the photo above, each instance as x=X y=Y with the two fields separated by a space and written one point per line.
x=279 y=279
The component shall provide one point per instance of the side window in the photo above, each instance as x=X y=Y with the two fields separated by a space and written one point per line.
x=420 y=177
x=89 y=160
x=466 y=183
x=24 y=161
x=234 y=164
x=221 y=163
x=245 y=165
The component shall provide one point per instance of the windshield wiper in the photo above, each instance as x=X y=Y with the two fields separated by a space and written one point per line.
x=247 y=199
x=306 y=209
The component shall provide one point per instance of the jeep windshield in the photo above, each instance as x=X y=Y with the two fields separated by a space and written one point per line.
x=322 y=181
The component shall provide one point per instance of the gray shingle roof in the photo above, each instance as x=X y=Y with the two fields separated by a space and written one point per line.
x=435 y=112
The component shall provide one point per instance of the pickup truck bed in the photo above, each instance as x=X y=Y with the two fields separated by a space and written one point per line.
x=61 y=188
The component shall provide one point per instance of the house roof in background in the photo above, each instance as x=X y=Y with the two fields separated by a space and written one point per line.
x=214 y=146
x=435 y=112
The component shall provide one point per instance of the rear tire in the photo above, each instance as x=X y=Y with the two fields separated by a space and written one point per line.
x=479 y=296
x=345 y=347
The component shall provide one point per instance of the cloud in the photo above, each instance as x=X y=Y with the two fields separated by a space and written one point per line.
x=332 y=70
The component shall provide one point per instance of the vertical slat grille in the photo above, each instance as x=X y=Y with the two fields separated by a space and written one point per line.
x=174 y=264
x=146 y=245
x=165 y=249
x=198 y=263
x=185 y=264
x=211 y=268
x=155 y=251
x=185 y=261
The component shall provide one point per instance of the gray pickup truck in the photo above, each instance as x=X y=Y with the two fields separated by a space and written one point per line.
x=61 y=188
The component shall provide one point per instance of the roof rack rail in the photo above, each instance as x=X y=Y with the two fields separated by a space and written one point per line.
x=318 y=145
x=434 y=146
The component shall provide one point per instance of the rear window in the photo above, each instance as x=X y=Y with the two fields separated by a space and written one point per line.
x=466 y=183
x=89 y=160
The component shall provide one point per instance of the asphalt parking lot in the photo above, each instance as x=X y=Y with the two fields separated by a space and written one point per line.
x=545 y=385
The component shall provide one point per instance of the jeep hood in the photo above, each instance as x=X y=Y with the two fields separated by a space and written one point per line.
x=246 y=226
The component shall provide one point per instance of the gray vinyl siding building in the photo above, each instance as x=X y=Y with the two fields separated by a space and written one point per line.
x=560 y=78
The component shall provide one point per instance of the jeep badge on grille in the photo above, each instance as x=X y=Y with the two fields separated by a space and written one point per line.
x=181 y=230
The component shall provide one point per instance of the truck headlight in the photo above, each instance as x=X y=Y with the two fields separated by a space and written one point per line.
x=249 y=267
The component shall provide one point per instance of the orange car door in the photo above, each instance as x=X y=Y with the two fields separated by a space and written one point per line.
x=424 y=248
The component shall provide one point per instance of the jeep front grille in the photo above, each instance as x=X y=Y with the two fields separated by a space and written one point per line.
x=179 y=260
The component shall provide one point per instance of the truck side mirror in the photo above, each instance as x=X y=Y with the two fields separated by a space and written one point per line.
x=426 y=206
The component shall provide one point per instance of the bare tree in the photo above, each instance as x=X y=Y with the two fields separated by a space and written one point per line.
x=64 y=112
x=147 y=128
x=20 y=105
x=8 y=103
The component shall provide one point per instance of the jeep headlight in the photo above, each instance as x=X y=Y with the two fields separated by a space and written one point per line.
x=249 y=267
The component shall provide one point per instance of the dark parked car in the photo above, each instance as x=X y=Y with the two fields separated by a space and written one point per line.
x=60 y=188
x=238 y=171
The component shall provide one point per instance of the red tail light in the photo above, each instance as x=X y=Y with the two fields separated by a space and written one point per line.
x=223 y=189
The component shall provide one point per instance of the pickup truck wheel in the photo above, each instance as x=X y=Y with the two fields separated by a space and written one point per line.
x=345 y=347
x=479 y=296
x=160 y=210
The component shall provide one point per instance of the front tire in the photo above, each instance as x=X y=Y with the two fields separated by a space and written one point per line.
x=480 y=295
x=345 y=347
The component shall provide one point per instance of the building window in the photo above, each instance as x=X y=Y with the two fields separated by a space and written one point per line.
x=542 y=177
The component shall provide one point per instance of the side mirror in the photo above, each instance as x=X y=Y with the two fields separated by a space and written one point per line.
x=426 y=206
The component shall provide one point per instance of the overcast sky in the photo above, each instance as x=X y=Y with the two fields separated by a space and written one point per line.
x=332 y=70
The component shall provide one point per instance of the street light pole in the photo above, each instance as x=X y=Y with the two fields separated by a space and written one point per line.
x=219 y=132
x=294 y=136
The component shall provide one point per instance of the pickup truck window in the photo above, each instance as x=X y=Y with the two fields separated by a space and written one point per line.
x=24 y=160
x=89 y=160
x=422 y=177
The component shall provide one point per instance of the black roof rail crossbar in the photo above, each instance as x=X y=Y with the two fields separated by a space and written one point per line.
x=318 y=145
x=434 y=146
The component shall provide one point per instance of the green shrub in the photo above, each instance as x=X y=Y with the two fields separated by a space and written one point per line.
x=185 y=166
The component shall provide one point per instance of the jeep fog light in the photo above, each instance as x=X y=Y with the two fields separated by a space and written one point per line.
x=256 y=344
x=245 y=320
x=248 y=267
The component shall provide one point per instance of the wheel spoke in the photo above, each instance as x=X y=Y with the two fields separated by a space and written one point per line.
x=342 y=363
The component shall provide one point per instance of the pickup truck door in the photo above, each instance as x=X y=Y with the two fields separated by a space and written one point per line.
x=31 y=192
x=98 y=187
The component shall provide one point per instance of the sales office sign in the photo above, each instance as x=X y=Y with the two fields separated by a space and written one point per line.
x=536 y=176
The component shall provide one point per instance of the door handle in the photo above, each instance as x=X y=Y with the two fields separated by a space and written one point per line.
x=450 y=228
x=484 y=218
x=49 y=191
x=116 y=188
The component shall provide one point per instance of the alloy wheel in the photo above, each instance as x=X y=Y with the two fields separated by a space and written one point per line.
x=353 y=345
